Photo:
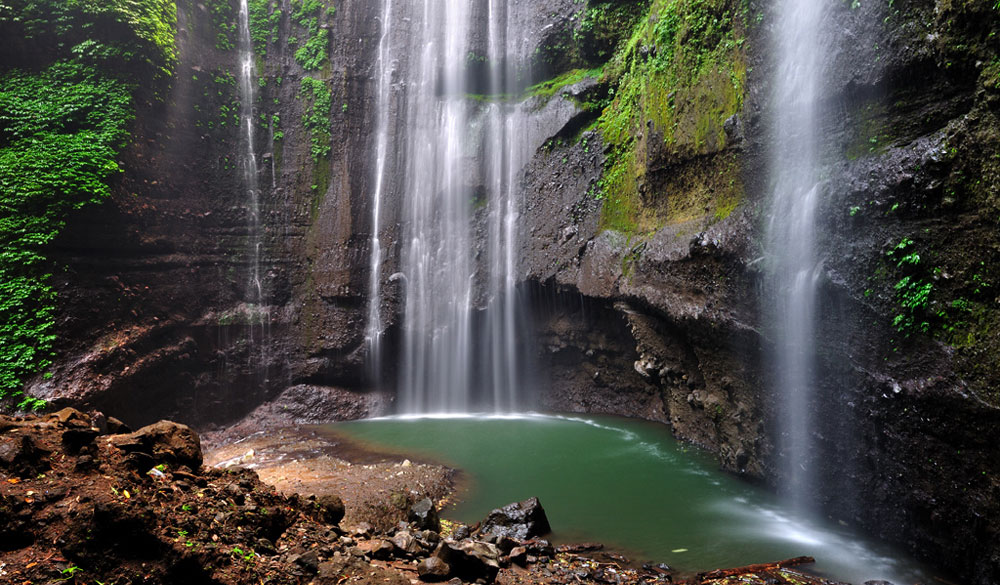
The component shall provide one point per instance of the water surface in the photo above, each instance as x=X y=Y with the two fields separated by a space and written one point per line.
x=630 y=485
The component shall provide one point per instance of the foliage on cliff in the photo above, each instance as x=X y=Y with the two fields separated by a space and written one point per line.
x=674 y=84
x=65 y=110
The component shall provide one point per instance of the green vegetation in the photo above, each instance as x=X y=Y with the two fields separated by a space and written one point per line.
x=62 y=126
x=310 y=14
x=551 y=87
x=678 y=79
x=949 y=313
x=265 y=17
x=316 y=119
x=224 y=23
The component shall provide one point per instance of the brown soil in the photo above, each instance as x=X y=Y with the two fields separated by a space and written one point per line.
x=81 y=506
x=301 y=461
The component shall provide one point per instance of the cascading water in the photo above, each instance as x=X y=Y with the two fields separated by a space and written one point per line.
x=435 y=256
x=256 y=311
x=795 y=268
x=375 y=328
x=505 y=154
x=459 y=312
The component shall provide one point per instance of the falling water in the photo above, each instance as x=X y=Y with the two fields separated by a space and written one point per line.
x=795 y=267
x=375 y=328
x=257 y=315
x=453 y=354
x=504 y=157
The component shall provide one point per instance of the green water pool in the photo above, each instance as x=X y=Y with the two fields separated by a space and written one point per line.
x=631 y=485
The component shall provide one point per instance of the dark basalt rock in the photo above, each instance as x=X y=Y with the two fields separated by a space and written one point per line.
x=329 y=509
x=21 y=457
x=424 y=516
x=519 y=521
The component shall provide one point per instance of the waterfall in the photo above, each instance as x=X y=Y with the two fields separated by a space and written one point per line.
x=460 y=175
x=257 y=315
x=384 y=66
x=794 y=265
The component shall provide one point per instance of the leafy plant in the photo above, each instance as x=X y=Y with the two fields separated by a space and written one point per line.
x=316 y=118
x=61 y=126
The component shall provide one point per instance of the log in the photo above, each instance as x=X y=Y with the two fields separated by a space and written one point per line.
x=758 y=568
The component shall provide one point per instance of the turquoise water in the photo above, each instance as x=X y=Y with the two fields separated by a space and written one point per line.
x=630 y=485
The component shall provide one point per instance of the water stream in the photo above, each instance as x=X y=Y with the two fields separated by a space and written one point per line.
x=461 y=174
x=257 y=315
x=385 y=67
x=630 y=485
x=791 y=248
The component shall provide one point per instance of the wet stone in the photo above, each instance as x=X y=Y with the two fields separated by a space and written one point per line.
x=519 y=521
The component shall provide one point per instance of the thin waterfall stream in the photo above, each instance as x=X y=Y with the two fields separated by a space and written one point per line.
x=257 y=314
x=795 y=267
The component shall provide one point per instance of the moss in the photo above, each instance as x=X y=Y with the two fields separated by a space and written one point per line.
x=675 y=82
x=871 y=132
x=552 y=87
x=224 y=24
x=65 y=118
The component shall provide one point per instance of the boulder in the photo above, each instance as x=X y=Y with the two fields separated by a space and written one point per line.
x=21 y=457
x=433 y=569
x=423 y=515
x=520 y=521
x=405 y=543
x=165 y=442
x=329 y=509
x=470 y=559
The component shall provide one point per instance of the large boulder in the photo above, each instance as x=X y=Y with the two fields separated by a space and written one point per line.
x=423 y=515
x=433 y=569
x=470 y=559
x=165 y=442
x=520 y=521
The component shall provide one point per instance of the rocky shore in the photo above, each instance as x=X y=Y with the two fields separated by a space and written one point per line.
x=84 y=500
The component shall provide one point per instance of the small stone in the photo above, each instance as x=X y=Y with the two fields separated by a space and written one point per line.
x=329 y=509
x=383 y=549
x=265 y=547
x=519 y=555
x=433 y=569
x=406 y=543
x=117 y=427
x=309 y=561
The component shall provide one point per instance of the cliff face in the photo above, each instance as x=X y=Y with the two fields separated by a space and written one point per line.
x=641 y=241
x=906 y=396
x=157 y=318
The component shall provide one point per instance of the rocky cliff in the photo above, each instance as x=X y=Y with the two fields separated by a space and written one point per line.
x=641 y=247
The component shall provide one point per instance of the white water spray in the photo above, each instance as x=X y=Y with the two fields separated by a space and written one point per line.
x=384 y=66
x=450 y=350
x=795 y=268
x=257 y=315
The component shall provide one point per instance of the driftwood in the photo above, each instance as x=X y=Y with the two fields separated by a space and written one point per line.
x=758 y=568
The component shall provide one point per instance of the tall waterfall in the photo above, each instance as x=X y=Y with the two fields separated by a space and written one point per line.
x=385 y=68
x=459 y=169
x=257 y=313
x=795 y=268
